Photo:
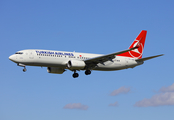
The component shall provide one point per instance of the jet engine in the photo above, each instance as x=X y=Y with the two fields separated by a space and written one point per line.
x=76 y=64
x=55 y=70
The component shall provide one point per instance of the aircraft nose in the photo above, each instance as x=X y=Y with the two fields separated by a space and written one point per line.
x=11 y=57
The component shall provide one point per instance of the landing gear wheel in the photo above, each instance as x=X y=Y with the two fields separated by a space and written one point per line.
x=75 y=75
x=87 y=72
x=24 y=70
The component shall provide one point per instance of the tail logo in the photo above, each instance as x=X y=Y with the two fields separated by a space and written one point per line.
x=138 y=43
x=136 y=53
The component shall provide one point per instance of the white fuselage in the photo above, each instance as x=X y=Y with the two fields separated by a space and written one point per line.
x=50 y=58
x=57 y=61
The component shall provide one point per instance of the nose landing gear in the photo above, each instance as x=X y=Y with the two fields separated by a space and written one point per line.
x=22 y=65
x=24 y=70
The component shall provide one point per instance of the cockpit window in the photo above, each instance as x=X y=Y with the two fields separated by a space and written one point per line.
x=19 y=53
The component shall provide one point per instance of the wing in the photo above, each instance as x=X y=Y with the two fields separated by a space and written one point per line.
x=101 y=59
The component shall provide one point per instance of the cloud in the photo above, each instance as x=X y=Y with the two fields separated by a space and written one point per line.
x=166 y=97
x=157 y=100
x=167 y=89
x=121 y=90
x=76 y=106
x=114 y=104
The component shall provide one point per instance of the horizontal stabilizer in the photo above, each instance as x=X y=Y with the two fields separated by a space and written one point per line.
x=147 y=58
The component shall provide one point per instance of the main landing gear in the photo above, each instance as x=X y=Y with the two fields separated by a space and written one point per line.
x=87 y=72
x=75 y=75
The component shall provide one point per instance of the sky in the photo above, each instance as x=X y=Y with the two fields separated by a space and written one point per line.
x=90 y=26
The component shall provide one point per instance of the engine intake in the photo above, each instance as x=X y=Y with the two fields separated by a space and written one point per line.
x=76 y=65
x=55 y=70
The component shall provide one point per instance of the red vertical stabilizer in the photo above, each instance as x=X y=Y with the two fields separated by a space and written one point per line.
x=138 y=42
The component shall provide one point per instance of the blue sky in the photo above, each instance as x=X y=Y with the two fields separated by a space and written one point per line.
x=93 y=26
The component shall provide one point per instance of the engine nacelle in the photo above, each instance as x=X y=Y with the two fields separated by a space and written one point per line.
x=76 y=64
x=55 y=70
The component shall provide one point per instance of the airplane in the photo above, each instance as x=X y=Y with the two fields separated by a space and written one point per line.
x=58 y=62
